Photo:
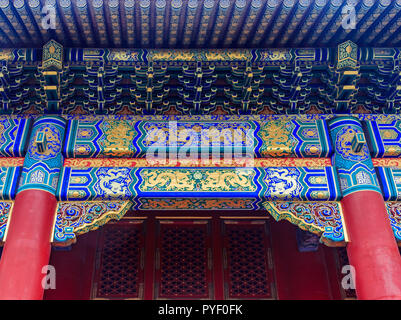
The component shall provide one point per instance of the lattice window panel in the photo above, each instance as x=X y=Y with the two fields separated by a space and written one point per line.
x=183 y=260
x=119 y=273
x=248 y=264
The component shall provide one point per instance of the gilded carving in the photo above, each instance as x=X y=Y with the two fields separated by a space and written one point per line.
x=169 y=180
x=277 y=138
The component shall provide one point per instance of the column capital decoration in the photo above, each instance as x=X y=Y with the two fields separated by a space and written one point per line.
x=42 y=164
x=351 y=157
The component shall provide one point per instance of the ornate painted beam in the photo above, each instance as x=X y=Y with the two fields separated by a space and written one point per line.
x=105 y=138
x=258 y=183
x=323 y=219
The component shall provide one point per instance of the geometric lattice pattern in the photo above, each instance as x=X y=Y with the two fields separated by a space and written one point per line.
x=183 y=270
x=248 y=263
x=120 y=274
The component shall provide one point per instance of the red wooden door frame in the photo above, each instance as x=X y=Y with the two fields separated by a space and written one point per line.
x=150 y=248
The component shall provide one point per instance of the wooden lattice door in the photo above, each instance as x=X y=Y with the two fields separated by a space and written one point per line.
x=248 y=263
x=119 y=267
x=183 y=260
x=170 y=258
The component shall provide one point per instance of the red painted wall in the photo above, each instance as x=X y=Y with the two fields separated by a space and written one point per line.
x=74 y=270
x=302 y=275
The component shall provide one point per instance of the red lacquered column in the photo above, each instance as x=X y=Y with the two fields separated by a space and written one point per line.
x=372 y=249
x=27 y=247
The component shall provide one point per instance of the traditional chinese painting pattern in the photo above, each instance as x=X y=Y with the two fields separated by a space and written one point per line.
x=258 y=183
x=74 y=218
x=321 y=218
x=91 y=137
x=356 y=171
x=41 y=169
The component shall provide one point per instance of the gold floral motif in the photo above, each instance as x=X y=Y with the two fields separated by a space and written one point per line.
x=78 y=179
x=76 y=194
x=83 y=133
x=383 y=119
x=320 y=194
x=314 y=150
